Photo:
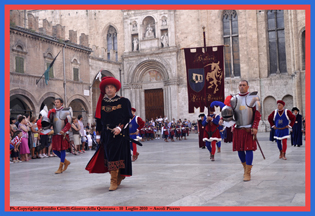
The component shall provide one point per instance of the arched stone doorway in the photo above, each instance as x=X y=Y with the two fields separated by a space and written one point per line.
x=20 y=104
x=150 y=89
x=270 y=104
x=49 y=102
x=96 y=89
x=79 y=108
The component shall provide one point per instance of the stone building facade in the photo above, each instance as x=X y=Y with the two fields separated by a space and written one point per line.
x=143 y=49
x=32 y=50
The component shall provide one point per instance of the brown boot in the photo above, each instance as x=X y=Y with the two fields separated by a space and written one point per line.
x=283 y=156
x=135 y=157
x=113 y=180
x=219 y=150
x=280 y=156
x=120 y=178
x=66 y=164
x=244 y=165
x=60 y=168
x=211 y=157
x=247 y=173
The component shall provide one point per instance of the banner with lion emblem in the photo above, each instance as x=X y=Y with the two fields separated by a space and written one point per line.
x=205 y=76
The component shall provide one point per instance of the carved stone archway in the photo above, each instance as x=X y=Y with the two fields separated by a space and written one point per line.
x=149 y=74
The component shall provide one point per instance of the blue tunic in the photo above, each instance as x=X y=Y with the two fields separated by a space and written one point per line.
x=133 y=126
x=280 y=122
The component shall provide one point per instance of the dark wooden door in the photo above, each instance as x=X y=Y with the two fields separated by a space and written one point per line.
x=154 y=103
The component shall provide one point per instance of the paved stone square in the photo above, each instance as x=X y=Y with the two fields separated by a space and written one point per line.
x=167 y=174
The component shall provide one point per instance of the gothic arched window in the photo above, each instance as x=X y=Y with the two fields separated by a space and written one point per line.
x=112 y=43
x=277 y=57
x=76 y=69
x=230 y=37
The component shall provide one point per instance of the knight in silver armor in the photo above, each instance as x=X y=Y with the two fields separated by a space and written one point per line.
x=243 y=110
x=242 y=107
x=61 y=118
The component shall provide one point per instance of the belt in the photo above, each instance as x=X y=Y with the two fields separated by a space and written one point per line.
x=281 y=128
x=247 y=129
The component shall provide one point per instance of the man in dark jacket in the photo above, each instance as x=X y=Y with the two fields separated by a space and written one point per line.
x=113 y=114
x=297 y=130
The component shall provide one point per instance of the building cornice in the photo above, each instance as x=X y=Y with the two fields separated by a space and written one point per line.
x=48 y=39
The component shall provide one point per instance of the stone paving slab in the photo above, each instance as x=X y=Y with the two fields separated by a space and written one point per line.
x=167 y=174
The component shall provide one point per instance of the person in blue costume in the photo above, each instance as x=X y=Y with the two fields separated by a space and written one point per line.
x=297 y=130
x=211 y=132
x=222 y=134
x=281 y=120
x=135 y=125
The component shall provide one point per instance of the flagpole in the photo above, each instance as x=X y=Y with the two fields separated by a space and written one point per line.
x=51 y=64
x=40 y=78
x=64 y=74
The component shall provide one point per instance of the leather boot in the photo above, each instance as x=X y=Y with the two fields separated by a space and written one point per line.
x=280 y=156
x=247 y=173
x=66 y=164
x=113 y=180
x=211 y=157
x=283 y=156
x=120 y=178
x=60 y=168
x=244 y=165
x=219 y=149
x=135 y=157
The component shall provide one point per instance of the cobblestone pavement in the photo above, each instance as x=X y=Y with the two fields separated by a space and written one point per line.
x=167 y=174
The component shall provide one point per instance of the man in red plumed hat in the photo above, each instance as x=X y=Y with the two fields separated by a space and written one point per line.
x=113 y=114
x=281 y=120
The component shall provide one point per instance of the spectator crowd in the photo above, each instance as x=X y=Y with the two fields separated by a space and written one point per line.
x=29 y=140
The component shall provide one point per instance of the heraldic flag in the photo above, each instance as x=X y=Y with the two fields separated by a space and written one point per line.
x=205 y=76
x=46 y=73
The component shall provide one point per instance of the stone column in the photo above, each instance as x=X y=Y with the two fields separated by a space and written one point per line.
x=137 y=101
x=142 y=104
x=170 y=98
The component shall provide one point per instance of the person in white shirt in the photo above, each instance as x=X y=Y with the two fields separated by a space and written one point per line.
x=89 y=140
x=82 y=133
x=165 y=118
